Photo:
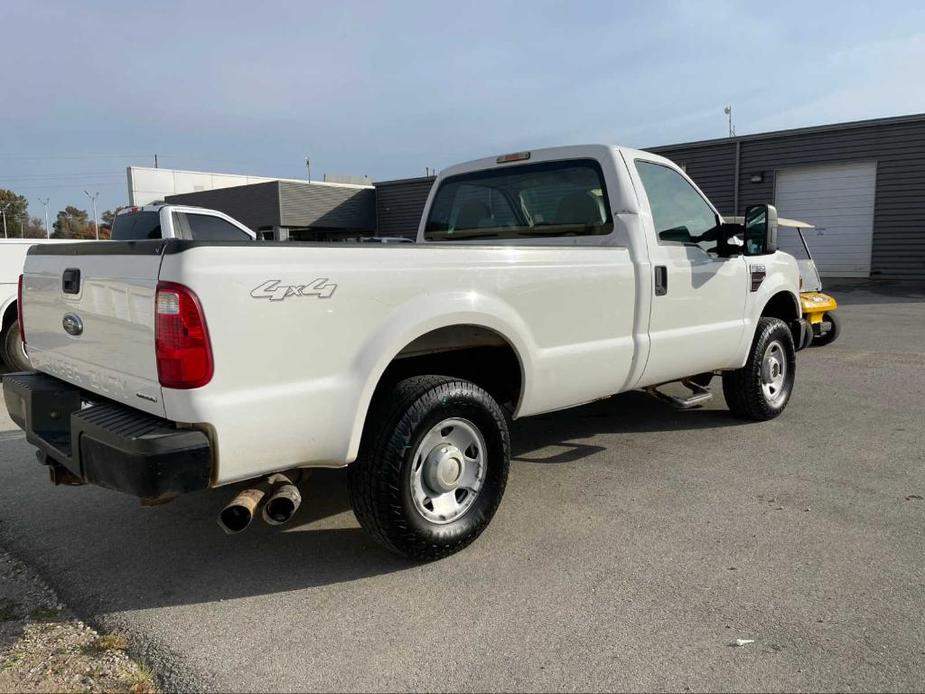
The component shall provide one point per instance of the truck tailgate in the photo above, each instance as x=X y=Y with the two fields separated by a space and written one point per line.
x=95 y=330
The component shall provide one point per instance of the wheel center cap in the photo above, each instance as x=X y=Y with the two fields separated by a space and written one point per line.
x=772 y=370
x=444 y=468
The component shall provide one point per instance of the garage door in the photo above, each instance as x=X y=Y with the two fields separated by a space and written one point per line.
x=839 y=200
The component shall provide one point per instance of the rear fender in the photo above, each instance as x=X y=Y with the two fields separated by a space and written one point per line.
x=426 y=314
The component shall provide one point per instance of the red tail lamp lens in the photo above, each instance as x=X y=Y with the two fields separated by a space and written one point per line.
x=184 y=353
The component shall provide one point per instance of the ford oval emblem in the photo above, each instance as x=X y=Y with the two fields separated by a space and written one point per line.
x=72 y=324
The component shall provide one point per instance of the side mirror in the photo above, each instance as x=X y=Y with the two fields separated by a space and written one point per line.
x=760 y=229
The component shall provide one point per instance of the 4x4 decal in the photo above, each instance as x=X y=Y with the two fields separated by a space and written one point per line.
x=274 y=291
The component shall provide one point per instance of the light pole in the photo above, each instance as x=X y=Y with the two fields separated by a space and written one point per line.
x=728 y=112
x=93 y=198
x=3 y=212
x=45 y=205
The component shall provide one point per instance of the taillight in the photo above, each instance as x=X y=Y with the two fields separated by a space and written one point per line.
x=184 y=355
x=22 y=326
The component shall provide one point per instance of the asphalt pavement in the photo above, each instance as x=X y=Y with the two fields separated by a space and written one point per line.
x=634 y=545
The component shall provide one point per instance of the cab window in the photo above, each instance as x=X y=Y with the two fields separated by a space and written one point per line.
x=549 y=199
x=204 y=227
x=679 y=212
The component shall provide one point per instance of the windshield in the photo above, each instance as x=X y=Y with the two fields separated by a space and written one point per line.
x=563 y=198
x=135 y=226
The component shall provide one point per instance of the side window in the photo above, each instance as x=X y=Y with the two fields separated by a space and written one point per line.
x=204 y=227
x=680 y=214
x=135 y=226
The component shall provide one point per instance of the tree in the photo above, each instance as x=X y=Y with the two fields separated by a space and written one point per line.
x=106 y=220
x=15 y=207
x=33 y=229
x=72 y=223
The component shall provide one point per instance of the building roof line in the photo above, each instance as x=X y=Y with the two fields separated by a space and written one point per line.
x=260 y=179
x=848 y=125
x=417 y=179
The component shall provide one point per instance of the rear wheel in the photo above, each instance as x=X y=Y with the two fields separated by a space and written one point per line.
x=432 y=466
x=761 y=389
x=13 y=351
x=831 y=334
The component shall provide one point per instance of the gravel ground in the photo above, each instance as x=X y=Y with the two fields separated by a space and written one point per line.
x=45 y=648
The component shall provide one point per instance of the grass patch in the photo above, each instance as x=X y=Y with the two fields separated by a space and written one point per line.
x=44 y=614
x=8 y=610
x=141 y=680
x=11 y=661
x=111 y=642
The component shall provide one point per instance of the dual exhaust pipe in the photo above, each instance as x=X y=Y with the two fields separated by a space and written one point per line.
x=277 y=498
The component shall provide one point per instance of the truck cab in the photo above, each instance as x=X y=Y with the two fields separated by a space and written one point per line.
x=697 y=282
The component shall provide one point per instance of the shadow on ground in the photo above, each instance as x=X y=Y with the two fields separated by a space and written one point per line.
x=864 y=291
x=176 y=554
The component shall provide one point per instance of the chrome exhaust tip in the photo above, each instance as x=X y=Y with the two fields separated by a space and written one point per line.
x=284 y=501
x=239 y=513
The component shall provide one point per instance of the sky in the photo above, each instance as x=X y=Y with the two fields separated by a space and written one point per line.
x=387 y=89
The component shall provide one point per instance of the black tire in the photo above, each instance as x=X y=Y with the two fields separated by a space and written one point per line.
x=829 y=337
x=380 y=480
x=743 y=387
x=11 y=349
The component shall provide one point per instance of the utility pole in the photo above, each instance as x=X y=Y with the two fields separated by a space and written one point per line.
x=308 y=165
x=93 y=198
x=732 y=129
x=3 y=208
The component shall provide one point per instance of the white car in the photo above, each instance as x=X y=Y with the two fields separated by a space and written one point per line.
x=539 y=281
x=156 y=221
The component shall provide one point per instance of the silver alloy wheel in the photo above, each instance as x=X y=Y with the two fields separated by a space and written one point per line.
x=774 y=373
x=448 y=470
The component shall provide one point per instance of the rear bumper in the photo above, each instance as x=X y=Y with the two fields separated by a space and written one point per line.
x=107 y=444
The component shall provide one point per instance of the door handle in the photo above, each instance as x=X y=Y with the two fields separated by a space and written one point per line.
x=661 y=280
x=70 y=281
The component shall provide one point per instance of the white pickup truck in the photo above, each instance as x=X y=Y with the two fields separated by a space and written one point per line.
x=154 y=221
x=539 y=281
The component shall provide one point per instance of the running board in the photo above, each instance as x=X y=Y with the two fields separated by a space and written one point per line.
x=699 y=395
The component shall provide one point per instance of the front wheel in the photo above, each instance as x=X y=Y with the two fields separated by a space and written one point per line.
x=831 y=334
x=432 y=466
x=13 y=351
x=761 y=389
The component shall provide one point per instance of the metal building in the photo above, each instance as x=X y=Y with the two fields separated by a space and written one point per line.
x=296 y=210
x=861 y=183
x=400 y=204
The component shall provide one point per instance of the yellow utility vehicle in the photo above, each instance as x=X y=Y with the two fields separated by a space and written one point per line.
x=818 y=308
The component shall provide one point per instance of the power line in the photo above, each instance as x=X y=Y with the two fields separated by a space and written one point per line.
x=78 y=156
x=76 y=185
x=50 y=177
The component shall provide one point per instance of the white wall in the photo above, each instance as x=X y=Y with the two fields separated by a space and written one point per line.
x=147 y=184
